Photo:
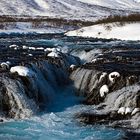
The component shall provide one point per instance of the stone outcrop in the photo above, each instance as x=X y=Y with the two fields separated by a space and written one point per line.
x=111 y=82
x=29 y=83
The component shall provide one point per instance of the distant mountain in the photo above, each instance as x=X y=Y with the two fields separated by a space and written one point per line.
x=70 y=9
x=116 y=4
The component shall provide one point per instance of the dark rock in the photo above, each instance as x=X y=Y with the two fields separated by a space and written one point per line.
x=23 y=96
x=124 y=90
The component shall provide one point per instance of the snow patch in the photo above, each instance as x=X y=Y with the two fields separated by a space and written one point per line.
x=112 y=76
x=103 y=75
x=54 y=54
x=115 y=4
x=128 y=110
x=136 y=110
x=72 y=67
x=14 y=46
x=121 y=110
x=104 y=90
x=52 y=50
x=22 y=71
x=129 y=31
x=5 y=65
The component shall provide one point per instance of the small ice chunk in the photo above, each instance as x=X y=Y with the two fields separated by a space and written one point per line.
x=121 y=110
x=136 y=110
x=104 y=90
x=128 y=110
x=113 y=75
x=22 y=71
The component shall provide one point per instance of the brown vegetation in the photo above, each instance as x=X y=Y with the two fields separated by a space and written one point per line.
x=38 y=19
x=118 y=18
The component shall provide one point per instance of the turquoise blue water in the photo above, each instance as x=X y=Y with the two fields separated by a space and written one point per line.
x=57 y=123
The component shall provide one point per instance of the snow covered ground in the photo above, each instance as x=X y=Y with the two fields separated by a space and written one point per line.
x=70 y=9
x=115 y=4
x=128 y=31
x=87 y=10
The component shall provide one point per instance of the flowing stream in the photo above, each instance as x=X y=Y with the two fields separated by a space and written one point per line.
x=57 y=122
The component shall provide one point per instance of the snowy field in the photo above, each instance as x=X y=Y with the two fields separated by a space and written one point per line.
x=70 y=9
x=128 y=31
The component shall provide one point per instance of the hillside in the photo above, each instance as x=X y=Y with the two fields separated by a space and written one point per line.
x=69 y=9
x=116 y=30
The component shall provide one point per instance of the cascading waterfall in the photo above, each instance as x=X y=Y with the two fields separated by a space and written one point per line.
x=47 y=100
x=31 y=87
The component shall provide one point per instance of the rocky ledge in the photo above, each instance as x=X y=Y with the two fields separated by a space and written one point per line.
x=29 y=77
x=110 y=82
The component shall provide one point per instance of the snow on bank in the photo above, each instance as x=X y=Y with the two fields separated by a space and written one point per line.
x=22 y=71
x=128 y=31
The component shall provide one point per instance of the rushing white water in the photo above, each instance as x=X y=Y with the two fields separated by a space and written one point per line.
x=58 y=123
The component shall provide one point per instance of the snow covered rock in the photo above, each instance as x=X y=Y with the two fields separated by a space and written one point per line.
x=15 y=47
x=113 y=76
x=22 y=71
x=54 y=54
x=104 y=90
x=30 y=54
x=128 y=110
x=25 y=47
x=52 y=50
x=136 y=110
x=40 y=48
x=121 y=110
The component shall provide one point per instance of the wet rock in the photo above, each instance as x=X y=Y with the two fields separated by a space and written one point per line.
x=31 y=82
x=113 y=86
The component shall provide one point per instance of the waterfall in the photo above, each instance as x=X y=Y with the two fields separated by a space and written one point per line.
x=23 y=96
